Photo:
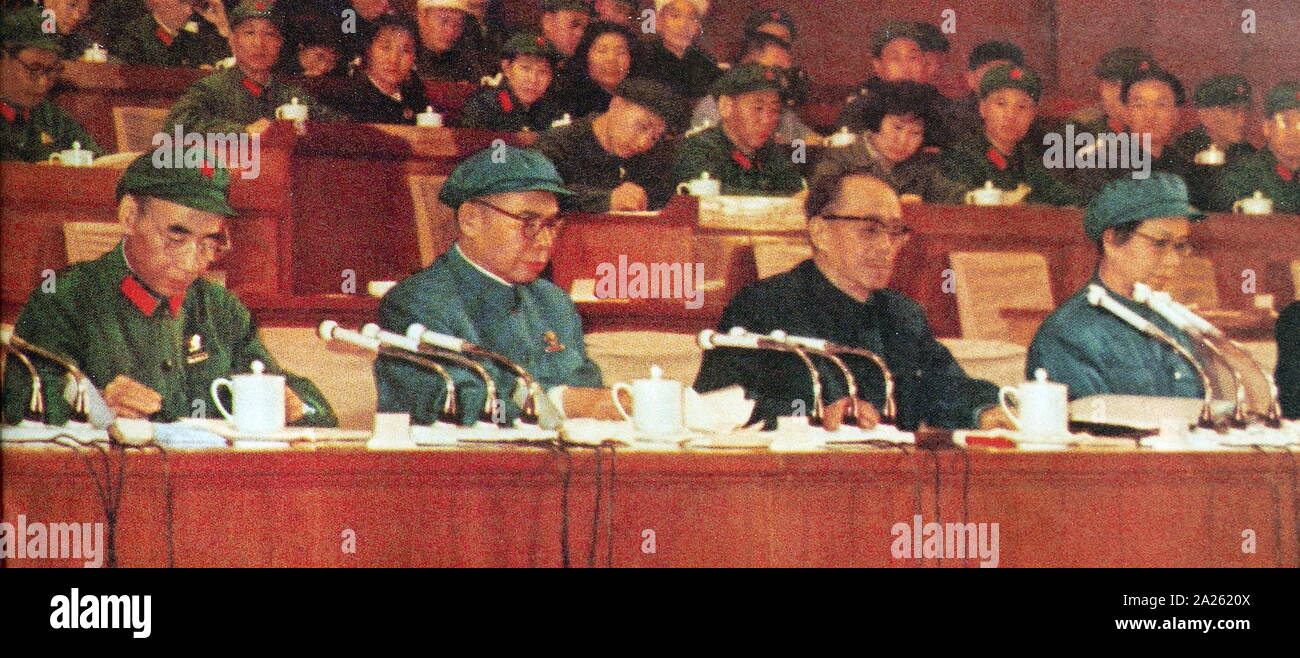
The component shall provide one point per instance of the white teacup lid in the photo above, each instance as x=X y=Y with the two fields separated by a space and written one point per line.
x=257 y=367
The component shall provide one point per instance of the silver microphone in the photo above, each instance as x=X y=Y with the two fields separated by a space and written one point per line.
x=412 y=345
x=528 y=412
x=738 y=337
x=330 y=330
x=889 y=414
x=1097 y=296
x=86 y=403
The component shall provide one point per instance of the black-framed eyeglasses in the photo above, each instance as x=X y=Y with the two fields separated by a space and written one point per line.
x=35 y=70
x=1162 y=245
x=877 y=227
x=532 y=226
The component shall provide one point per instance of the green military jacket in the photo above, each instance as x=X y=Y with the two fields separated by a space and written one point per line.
x=1259 y=171
x=1203 y=180
x=228 y=101
x=534 y=324
x=973 y=161
x=32 y=135
x=96 y=315
x=497 y=108
x=145 y=43
x=770 y=171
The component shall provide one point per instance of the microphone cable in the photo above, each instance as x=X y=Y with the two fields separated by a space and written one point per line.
x=1277 y=510
x=613 y=483
x=168 y=505
x=592 y=548
x=965 y=496
x=933 y=455
x=109 y=491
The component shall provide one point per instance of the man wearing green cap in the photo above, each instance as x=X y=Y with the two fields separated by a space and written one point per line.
x=671 y=55
x=740 y=152
x=1275 y=170
x=900 y=50
x=1108 y=114
x=1223 y=107
x=841 y=294
x=617 y=160
x=776 y=22
x=486 y=289
x=179 y=33
x=244 y=97
x=1009 y=97
x=140 y=321
x=520 y=103
x=1141 y=228
x=31 y=125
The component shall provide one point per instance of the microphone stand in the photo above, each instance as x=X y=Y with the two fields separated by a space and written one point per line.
x=36 y=407
x=740 y=338
x=435 y=343
x=330 y=330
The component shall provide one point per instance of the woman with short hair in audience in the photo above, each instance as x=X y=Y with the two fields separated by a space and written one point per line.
x=602 y=59
x=384 y=89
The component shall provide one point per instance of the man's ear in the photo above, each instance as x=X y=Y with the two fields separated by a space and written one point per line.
x=1108 y=241
x=129 y=212
x=983 y=111
x=469 y=221
x=818 y=233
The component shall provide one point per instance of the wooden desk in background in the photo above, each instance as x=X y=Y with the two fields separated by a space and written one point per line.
x=501 y=507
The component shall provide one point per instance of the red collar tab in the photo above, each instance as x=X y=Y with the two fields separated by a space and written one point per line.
x=742 y=160
x=252 y=86
x=506 y=104
x=1286 y=174
x=164 y=36
x=996 y=158
x=11 y=113
x=144 y=300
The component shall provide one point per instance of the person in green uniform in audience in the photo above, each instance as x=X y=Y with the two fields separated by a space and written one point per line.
x=776 y=22
x=1223 y=107
x=31 y=125
x=841 y=294
x=1109 y=115
x=1009 y=96
x=487 y=290
x=619 y=159
x=964 y=113
x=1288 y=360
x=244 y=97
x=141 y=322
x=740 y=152
x=1275 y=170
x=520 y=102
x=176 y=33
x=1141 y=229
x=671 y=55
x=764 y=49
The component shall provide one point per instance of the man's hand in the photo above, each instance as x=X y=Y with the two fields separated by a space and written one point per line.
x=1016 y=196
x=867 y=415
x=628 y=196
x=131 y=399
x=996 y=418
x=592 y=403
x=215 y=12
x=258 y=126
x=294 y=409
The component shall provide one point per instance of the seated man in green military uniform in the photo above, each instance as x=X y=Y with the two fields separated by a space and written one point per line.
x=31 y=126
x=1288 y=360
x=1223 y=107
x=1009 y=96
x=486 y=289
x=244 y=97
x=140 y=321
x=617 y=160
x=520 y=102
x=1141 y=229
x=173 y=33
x=740 y=152
x=840 y=295
x=1108 y=115
x=1275 y=170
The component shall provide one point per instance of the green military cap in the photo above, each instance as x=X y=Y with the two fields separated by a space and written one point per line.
x=933 y=40
x=1010 y=76
x=495 y=170
x=656 y=97
x=22 y=29
x=583 y=6
x=1126 y=199
x=250 y=9
x=203 y=188
x=746 y=78
x=1118 y=63
x=992 y=51
x=896 y=29
x=528 y=43
x=1284 y=96
x=760 y=17
x=1220 y=90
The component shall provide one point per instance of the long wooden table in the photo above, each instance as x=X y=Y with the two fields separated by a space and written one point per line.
x=504 y=507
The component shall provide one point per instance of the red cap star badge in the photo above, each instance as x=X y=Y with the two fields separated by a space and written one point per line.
x=1297 y=95
x=541 y=41
x=1015 y=74
x=1144 y=65
x=1241 y=89
x=768 y=74
x=260 y=6
x=776 y=16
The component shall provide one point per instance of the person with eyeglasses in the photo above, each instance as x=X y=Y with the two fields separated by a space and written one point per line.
x=143 y=324
x=741 y=152
x=1142 y=229
x=841 y=294
x=32 y=127
x=620 y=159
x=487 y=289
x=1275 y=169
